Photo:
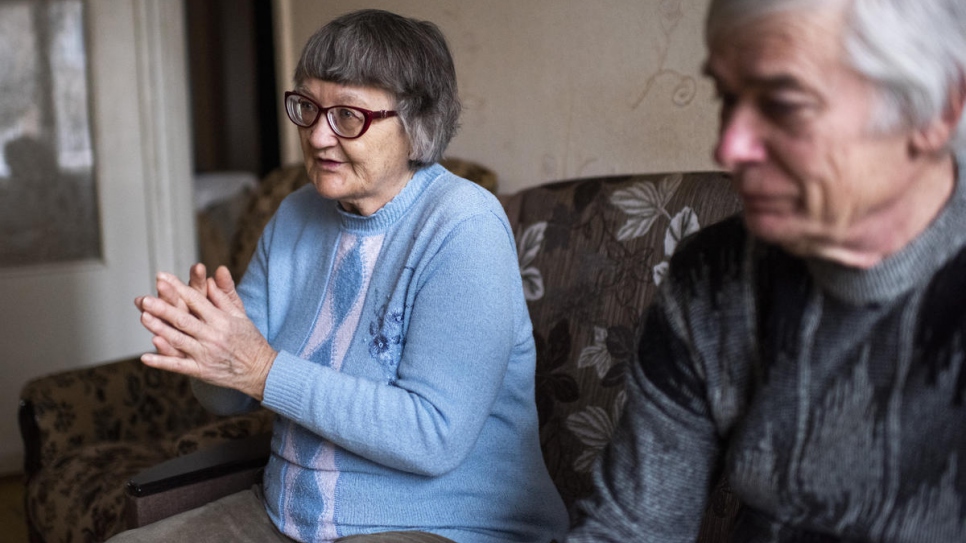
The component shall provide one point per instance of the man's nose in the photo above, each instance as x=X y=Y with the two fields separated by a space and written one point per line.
x=740 y=139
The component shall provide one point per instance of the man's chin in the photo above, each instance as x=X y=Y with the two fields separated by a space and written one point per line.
x=777 y=230
x=770 y=227
x=800 y=238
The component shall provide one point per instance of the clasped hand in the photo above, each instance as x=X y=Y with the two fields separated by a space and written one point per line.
x=201 y=330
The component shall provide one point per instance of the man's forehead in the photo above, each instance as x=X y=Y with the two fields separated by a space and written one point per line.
x=780 y=51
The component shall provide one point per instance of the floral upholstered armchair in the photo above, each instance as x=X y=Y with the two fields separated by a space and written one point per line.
x=86 y=432
x=591 y=253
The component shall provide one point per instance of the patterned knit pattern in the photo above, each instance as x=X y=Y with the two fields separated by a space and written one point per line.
x=831 y=397
x=327 y=344
x=404 y=382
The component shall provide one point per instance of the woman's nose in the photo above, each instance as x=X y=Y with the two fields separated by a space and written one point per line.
x=740 y=139
x=321 y=134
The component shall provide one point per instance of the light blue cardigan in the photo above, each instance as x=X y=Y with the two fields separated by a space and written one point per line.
x=405 y=375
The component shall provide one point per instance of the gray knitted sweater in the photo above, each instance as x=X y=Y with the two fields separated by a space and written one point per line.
x=832 y=398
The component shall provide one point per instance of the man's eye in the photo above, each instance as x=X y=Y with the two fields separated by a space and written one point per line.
x=726 y=105
x=780 y=110
x=726 y=99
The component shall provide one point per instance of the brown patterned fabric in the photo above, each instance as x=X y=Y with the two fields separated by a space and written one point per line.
x=88 y=431
x=591 y=254
x=117 y=402
x=80 y=497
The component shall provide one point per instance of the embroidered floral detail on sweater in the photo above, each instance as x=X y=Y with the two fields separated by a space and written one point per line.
x=386 y=341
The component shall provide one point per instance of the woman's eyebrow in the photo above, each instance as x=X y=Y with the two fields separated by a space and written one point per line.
x=346 y=94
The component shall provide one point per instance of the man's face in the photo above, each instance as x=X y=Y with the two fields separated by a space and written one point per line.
x=795 y=132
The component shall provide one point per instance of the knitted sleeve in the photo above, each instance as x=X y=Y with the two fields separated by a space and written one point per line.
x=652 y=481
x=461 y=331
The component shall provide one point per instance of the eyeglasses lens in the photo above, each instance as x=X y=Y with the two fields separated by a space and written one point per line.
x=301 y=111
x=346 y=122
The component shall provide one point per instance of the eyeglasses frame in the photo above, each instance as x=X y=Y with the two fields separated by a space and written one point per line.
x=369 y=115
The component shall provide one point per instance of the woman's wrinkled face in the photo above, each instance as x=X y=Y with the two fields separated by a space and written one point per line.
x=795 y=133
x=363 y=174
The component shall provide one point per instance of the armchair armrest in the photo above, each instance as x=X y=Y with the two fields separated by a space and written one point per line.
x=186 y=482
x=118 y=401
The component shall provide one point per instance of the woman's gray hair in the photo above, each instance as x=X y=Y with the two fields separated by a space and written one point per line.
x=406 y=57
x=913 y=51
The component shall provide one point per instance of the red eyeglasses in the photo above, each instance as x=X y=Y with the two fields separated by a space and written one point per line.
x=347 y=122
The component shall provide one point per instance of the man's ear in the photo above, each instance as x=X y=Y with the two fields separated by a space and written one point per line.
x=934 y=136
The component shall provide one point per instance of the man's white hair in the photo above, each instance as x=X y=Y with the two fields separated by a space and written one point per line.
x=913 y=51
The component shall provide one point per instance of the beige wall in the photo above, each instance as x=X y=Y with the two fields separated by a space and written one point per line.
x=554 y=89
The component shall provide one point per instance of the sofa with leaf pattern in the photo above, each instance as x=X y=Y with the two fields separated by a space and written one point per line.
x=591 y=254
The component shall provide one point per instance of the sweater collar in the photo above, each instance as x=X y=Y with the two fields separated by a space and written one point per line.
x=396 y=208
x=913 y=264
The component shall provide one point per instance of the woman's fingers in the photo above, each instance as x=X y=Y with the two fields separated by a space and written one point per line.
x=197 y=303
x=165 y=348
x=201 y=329
x=197 y=278
x=170 y=318
x=166 y=293
x=186 y=366
x=229 y=302
x=177 y=328
x=226 y=284
x=224 y=279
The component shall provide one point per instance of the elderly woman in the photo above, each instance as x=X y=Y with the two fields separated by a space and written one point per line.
x=382 y=318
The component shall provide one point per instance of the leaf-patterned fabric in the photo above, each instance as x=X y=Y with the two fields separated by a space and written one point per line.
x=594 y=251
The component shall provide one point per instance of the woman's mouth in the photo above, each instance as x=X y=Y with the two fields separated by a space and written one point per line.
x=328 y=163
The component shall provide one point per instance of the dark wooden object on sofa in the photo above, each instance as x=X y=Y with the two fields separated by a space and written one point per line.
x=186 y=482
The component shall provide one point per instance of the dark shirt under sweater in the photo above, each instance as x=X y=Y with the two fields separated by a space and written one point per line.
x=832 y=398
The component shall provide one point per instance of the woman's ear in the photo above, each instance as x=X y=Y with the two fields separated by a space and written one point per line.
x=935 y=135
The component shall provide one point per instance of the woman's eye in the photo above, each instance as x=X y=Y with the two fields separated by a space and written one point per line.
x=307 y=107
x=347 y=114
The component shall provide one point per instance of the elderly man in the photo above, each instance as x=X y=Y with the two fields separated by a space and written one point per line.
x=813 y=352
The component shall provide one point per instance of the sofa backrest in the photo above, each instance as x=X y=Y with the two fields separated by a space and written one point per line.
x=592 y=252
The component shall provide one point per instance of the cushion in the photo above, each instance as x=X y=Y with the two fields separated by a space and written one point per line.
x=80 y=497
